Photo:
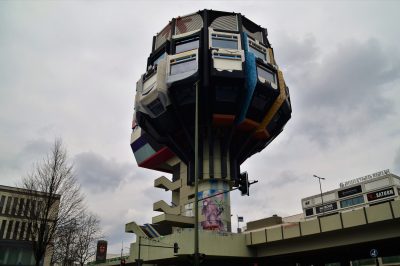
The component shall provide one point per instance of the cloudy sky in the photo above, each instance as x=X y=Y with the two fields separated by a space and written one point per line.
x=68 y=69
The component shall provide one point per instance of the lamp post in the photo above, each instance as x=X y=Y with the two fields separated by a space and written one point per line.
x=320 y=189
x=239 y=219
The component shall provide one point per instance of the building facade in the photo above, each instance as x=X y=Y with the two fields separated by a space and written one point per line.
x=16 y=208
x=369 y=190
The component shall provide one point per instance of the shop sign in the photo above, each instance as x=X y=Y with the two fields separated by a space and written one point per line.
x=364 y=178
x=380 y=194
x=349 y=191
x=327 y=207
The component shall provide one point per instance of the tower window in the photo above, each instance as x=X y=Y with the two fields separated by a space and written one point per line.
x=266 y=74
x=224 y=41
x=187 y=45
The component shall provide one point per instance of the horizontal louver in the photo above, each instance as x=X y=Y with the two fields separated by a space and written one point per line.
x=163 y=36
x=225 y=23
x=188 y=23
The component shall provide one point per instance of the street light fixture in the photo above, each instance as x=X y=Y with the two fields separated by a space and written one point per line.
x=320 y=189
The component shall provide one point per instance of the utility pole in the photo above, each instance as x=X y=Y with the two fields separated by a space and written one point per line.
x=196 y=180
x=320 y=189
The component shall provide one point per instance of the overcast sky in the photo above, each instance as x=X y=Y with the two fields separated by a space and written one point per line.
x=68 y=69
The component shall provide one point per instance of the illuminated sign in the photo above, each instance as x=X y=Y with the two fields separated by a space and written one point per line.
x=365 y=178
x=327 y=207
x=380 y=194
x=349 y=191
x=101 y=252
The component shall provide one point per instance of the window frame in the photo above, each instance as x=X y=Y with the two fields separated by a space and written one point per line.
x=224 y=36
x=182 y=41
x=266 y=69
x=253 y=44
x=182 y=60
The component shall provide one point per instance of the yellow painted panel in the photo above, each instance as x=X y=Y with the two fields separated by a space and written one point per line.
x=309 y=227
x=379 y=212
x=274 y=234
x=353 y=218
x=271 y=56
x=277 y=104
x=258 y=237
x=330 y=223
x=396 y=208
x=291 y=230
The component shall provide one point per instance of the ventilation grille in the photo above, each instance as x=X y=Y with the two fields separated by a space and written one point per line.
x=156 y=107
x=225 y=23
x=255 y=35
x=188 y=23
x=163 y=36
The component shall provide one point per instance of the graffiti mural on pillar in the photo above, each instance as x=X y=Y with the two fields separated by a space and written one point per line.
x=213 y=209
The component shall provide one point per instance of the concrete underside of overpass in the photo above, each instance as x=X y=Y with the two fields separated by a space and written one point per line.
x=355 y=244
x=314 y=250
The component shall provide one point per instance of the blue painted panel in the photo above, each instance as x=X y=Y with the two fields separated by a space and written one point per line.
x=137 y=144
x=251 y=80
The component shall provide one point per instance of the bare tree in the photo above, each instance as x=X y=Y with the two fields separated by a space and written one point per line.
x=53 y=199
x=86 y=238
x=76 y=242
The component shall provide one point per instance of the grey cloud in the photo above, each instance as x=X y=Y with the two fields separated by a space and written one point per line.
x=345 y=92
x=97 y=173
x=396 y=162
x=284 y=178
x=294 y=52
x=22 y=161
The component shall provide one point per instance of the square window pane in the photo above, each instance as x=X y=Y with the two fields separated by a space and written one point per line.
x=224 y=43
x=266 y=74
x=183 y=67
x=258 y=53
x=186 y=45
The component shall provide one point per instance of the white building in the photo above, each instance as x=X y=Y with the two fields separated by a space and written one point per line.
x=364 y=191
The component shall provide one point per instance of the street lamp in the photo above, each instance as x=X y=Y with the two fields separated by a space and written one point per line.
x=320 y=189
x=239 y=219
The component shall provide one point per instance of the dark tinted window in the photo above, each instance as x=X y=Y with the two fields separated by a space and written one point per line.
x=309 y=212
x=22 y=231
x=16 y=227
x=9 y=228
x=2 y=200
x=2 y=228
x=14 y=206
x=156 y=107
x=20 y=206
x=8 y=206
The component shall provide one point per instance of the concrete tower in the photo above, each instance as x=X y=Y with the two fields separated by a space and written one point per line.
x=243 y=104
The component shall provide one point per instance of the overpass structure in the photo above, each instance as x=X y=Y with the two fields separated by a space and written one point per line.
x=345 y=238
